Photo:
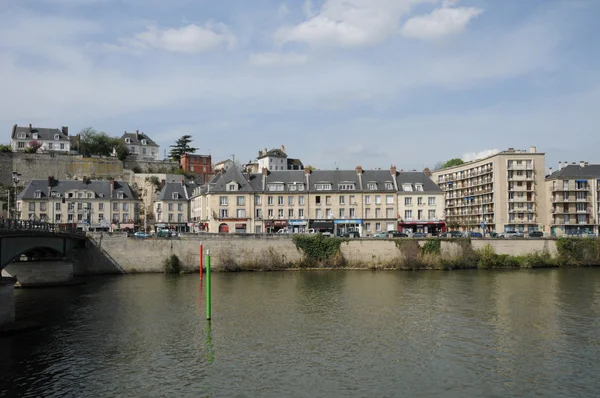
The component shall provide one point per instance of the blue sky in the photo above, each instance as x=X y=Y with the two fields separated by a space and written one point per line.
x=338 y=82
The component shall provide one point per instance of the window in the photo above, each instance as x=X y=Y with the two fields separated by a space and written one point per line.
x=377 y=226
x=419 y=187
x=21 y=145
x=367 y=213
x=21 y=135
x=179 y=206
x=280 y=213
x=318 y=213
x=62 y=146
x=223 y=213
x=280 y=200
x=408 y=214
x=100 y=216
x=290 y=213
x=125 y=206
x=70 y=217
x=57 y=206
x=32 y=206
x=80 y=206
x=566 y=185
x=119 y=195
x=258 y=200
x=323 y=187
x=407 y=187
x=170 y=217
x=368 y=199
x=377 y=199
x=420 y=215
x=317 y=200
x=431 y=215
x=580 y=185
x=50 y=145
x=241 y=200
x=125 y=217
x=80 y=217
x=270 y=213
x=301 y=200
x=431 y=201
x=241 y=213
x=389 y=186
x=300 y=213
x=231 y=187
x=328 y=200
x=37 y=194
x=346 y=187
x=389 y=199
x=342 y=199
x=100 y=206
x=389 y=213
x=352 y=213
x=222 y=200
x=420 y=201
x=71 y=206
x=259 y=213
x=378 y=213
x=174 y=195
x=372 y=186
x=42 y=206
x=170 y=206
x=275 y=187
x=368 y=226
x=270 y=200
x=342 y=213
x=144 y=143
x=328 y=213
x=408 y=201
x=80 y=194
x=57 y=217
x=290 y=200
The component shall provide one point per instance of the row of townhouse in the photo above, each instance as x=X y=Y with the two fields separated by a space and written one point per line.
x=336 y=201
x=511 y=191
x=86 y=204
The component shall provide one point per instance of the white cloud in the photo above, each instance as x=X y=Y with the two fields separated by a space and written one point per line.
x=189 y=39
x=467 y=157
x=307 y=9
x=348 y=23
x=274 y=59
x=440 y=22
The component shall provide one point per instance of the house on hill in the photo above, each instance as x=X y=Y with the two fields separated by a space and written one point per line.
x=141 y=147
x=51 y=139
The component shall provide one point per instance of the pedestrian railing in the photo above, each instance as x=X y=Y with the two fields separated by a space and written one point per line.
x=12 y=225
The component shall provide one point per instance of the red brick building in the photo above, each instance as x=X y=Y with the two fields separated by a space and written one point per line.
x=201 y=165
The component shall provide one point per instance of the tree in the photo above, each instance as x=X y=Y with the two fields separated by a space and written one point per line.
x=5 y=148
x=33 y=146
x=181 y=147
x=448 y=163
x=92 y=142
x=120 y=148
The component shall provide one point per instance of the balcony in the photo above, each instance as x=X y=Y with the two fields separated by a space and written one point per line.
x=520 y=167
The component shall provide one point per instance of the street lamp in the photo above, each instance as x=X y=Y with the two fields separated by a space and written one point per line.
x=16 y=177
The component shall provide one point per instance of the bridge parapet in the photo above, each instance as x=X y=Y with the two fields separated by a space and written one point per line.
x=11 y=225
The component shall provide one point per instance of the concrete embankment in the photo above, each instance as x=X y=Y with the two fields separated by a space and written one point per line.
x=147 y=255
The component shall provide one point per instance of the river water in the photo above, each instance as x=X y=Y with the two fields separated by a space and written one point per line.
x=312 y=334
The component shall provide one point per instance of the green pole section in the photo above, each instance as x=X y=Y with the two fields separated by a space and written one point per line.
x=208 y=284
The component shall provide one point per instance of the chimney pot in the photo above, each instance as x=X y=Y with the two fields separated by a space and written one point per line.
x=282 y=148
x=532 y=149
x=65 y=130
x=265 y=150
x=265 y=171
x=137 y=134
x=559 y=165
x=393 y=170
x=30 y=128
x=550 y=170
x=307 y=170
x=359 y=169
x=581 y=163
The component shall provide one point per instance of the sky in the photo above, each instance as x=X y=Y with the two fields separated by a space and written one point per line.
x=340 y=83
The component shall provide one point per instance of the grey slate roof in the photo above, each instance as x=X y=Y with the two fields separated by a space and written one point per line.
x=576 y=171
x=44 y=134
x=100 y=187
x=137 y=140
x=253 y=182
x=274 y=153
x=183 y=191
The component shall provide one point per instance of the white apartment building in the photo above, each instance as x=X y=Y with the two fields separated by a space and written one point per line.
x=51 y=139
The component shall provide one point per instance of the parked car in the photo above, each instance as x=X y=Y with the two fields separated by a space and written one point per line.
x=140 y=234
x=396 y=234
x=510 y=234
x=535 y=234
x=380 y=235
x=163 y=233
x=310 y=231
x=475 y=234
x=419 y=235
x=351 y=234
x=451 y=234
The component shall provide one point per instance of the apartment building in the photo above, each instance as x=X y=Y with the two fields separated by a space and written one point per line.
x=172 y=206
x=574 y=199
x=51 y=139
x=505 y=191
x=140 y=146
x=276 y=160
x=335 y=201
x=94 y=205
x=200 y=165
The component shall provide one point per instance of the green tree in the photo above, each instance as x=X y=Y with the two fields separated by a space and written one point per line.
x=448 y=163
x=5 y=148
x=93 y=142
x=181 y=147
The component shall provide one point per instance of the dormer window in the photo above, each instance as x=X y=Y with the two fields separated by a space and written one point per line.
x=144 y=142
x=323 y=187
x=37 y=194
x=407 y=187
x=21 y=136
x=346 y=186
x=389 y=186
x=175 y=195
x=275 y=187
x=35 y=136
x=56 y=137
x=419 y=187
x=127 y=141
x=372 y=186
x=90 y=195
x=231 y=187
x=120 y=195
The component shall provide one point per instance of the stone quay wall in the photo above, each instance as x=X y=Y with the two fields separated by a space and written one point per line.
x=147 y=255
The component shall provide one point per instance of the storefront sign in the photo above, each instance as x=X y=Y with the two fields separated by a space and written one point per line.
x=279 y=223
x=321 y=224
x=297 y=222
x=347 y=221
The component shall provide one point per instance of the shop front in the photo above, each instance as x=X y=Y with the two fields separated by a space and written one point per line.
x=173 y=227
x=274 y=226
x=322 y=225
x=297 y=226
x=342 y=227
x=432 y=228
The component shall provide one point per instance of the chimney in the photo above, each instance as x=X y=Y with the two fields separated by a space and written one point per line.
x=65 y=131
x=393 y=171
x=260 y=153
x=581 y=163
x=307 y=170
x=162 y=184
x=111 y=182
x=532 y=149
x=137 y=134
x=573 y=163
x=282 y=148
x=559 y=165
x=359 y=170
x=182 y=183
x=265 y=173
x=14 y=133
x=394 y=179
x=511 y=149
x=30 y=128
x=550 y=171
x=265 y=150
x=50 y=182
x=586 y=163
x=427 y=171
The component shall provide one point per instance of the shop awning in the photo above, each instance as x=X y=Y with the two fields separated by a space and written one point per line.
x=321 y=224
x=581 y=181
x=347 y=221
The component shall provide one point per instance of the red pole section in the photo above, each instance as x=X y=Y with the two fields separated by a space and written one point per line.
x=201 y=261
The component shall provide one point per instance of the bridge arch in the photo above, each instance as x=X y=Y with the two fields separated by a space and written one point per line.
x=36 y=246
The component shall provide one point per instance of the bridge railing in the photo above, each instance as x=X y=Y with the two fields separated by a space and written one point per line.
x=11 y=225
